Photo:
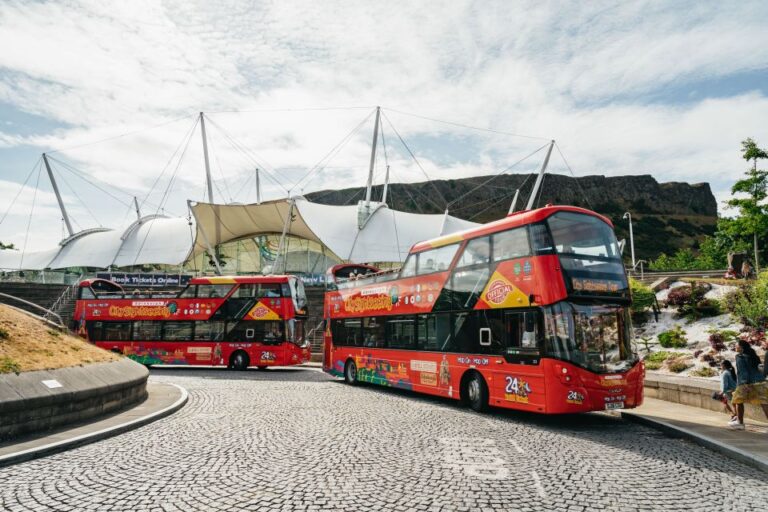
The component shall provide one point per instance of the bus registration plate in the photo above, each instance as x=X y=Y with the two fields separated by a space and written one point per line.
x=614 y=405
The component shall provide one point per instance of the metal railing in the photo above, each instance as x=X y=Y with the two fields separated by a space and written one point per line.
x=69 y=293
x=41 y=308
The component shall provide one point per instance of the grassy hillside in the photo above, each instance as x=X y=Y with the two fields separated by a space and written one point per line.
x=27 y=344
x=666 y=216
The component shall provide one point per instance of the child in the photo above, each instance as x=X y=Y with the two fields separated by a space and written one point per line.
x=727 y=386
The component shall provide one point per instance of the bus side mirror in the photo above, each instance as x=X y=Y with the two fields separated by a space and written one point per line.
x=485 y=337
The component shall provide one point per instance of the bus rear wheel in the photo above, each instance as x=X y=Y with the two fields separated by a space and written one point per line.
x=350 y=373
x=475 y=392
x=239 y=361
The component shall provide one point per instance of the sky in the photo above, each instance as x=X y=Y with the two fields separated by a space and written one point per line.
x=112 y=92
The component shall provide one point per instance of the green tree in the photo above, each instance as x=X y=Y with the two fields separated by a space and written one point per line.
x=753 y=214
x=713 y=253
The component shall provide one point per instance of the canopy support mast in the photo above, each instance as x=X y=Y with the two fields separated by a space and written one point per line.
x=514 y=202
x=369 y=185
x=58 y=196
x=136 y=206
x=258 y=187
x=386 y=187
x=540 y=177
x=205 y=155
x=286 y=227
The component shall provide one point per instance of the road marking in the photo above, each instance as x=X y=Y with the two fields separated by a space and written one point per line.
x=537 y=484
x=517 y=446
x=477 y=458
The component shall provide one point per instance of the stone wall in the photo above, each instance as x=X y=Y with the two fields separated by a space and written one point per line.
x=696 y=392
x=41 y=400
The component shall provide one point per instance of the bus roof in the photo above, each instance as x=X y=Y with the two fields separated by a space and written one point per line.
x=512 y=220
x=239 y=279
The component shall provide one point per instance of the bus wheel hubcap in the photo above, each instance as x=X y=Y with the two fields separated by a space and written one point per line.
x=351 y=372
x=474 y=390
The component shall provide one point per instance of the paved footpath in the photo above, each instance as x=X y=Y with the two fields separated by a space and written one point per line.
x=708 y=428
x=294 y=439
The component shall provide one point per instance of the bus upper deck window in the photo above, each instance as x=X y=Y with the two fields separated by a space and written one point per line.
x=409 y=268
x=213 y=291
x=269 y=290
x=189 y=292
x=541 y=241
x=87 y=293
x=511 y=244
x=477 y=252
x=246 y=290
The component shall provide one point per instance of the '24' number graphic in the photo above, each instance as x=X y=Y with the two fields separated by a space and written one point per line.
x=517 y=386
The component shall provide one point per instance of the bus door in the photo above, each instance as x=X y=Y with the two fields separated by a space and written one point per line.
x=518 y=376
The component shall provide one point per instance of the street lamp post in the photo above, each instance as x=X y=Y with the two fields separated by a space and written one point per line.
x=627 y=215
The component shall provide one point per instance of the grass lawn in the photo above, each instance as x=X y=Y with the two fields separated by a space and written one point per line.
x=27 y=344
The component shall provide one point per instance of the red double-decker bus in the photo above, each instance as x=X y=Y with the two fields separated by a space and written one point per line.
x=529 y=312
x=231 y=321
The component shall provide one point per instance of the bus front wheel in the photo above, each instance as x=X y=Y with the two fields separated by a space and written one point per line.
x=350 y=373
x=475 y=392
x=239 y=361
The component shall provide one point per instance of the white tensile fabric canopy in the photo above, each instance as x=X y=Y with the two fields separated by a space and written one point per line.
x=151 y=240
x=387 y=236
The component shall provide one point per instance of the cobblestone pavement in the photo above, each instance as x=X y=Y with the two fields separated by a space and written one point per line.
x=294 y=439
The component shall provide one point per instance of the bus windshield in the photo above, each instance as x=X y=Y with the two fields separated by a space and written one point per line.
x=589 y=255
x=583 y=236
x=596 y=337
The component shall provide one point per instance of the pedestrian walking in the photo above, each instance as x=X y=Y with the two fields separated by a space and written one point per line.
x=751 y=387
x=727 y=387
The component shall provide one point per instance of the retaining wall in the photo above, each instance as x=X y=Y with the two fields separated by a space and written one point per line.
x=41 y=400
x=693 y=391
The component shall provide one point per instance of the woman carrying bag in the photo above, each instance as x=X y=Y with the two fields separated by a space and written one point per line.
x=751 y=387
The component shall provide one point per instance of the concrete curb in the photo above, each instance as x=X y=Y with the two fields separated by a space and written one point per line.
x=92 y=437
x=702 y=440
x=40 y=400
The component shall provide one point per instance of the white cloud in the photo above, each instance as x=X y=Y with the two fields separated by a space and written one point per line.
x=574 y=72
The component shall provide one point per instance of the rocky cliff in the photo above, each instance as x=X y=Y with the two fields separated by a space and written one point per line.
x=666 y=216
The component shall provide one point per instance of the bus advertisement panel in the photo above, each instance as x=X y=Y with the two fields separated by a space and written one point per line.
x=529 y=312
x=221 y=321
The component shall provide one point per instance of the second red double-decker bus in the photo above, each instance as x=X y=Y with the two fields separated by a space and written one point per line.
x=529 y=312
x=231 y=321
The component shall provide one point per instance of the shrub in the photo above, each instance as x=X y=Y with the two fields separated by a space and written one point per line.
x=690 y=301
x=646 y=341
x=652 y=365
x=661 y=356
x=678 y=366
x=704 y=372
x=717 y=341
x=729 y=300
x=674 y=338
x=8 y=365
x=753 y=336
x=656 y=360
x=679 y=296
x=707 y=307
x=709 y=359
x=4 y=334
x=642 y=296
x=751 y=306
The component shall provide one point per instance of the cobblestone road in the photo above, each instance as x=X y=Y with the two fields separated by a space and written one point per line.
x=296 y=440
